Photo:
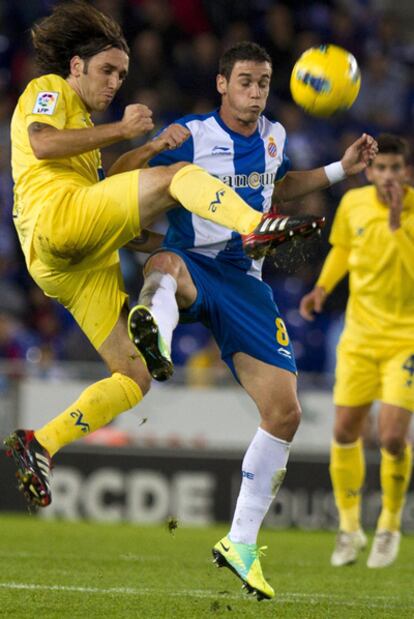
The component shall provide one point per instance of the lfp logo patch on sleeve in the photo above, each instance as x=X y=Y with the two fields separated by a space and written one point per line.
x=45 y=103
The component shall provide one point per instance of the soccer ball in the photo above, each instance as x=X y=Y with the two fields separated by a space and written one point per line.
x=325 y=80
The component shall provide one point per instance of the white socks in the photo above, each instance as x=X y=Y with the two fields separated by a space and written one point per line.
x=158 y=294
x=263 y=470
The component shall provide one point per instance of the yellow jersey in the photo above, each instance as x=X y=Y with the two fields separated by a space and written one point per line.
x=380 y=265
x=50 y=100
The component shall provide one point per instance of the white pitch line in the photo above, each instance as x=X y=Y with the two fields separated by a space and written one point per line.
x=384 y=602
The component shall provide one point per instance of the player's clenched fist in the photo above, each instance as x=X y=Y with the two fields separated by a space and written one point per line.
x=137 y=120
x=172 y=137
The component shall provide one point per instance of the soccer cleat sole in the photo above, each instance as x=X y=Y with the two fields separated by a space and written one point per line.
x=269 y=244
x=28 y=483
x=220 y=561
x=143 y=332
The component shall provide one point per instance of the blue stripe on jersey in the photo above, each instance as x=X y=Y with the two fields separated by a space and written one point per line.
x=180 y=232
x=101 y=174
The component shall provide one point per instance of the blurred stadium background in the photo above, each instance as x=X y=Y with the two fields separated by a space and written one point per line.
x=179 y=453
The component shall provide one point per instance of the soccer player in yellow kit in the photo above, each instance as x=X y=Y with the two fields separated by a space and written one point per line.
x=373 y=239
x=71 y=222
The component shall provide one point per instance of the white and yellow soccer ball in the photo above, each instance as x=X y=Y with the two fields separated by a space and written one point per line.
x=325 y=80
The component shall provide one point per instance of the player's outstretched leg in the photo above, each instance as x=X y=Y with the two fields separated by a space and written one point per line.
x=243 y=560
x=273 y=230
x=145 y=334
x=33 y=466
x=347 y=547
x=210 y=198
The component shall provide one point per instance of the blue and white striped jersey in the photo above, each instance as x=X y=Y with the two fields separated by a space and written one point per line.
x=250 y=165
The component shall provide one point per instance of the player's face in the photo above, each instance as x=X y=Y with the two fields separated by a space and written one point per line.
x=386 y=170
x=245 y=93
x=98 y=79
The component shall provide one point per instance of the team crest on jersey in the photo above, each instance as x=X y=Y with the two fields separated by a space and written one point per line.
x=45 y=103
x=271 y=147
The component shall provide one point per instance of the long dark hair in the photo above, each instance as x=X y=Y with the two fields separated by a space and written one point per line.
x=73 y=29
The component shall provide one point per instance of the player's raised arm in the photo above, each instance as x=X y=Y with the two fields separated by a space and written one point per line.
x=171 y=138
x=355 y=159
x=48 y=142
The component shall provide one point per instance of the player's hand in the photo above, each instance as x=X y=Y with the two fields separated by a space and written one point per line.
x=359 y=155
x=394 y=196
x=137 y=120
x=172 y=137
x=312 y=302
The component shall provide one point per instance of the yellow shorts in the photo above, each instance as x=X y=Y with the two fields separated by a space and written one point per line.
x=378 y=372
x=74 y=256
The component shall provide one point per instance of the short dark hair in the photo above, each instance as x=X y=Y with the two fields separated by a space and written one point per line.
x=73 y=29
x=246 y=50
x=389 y=143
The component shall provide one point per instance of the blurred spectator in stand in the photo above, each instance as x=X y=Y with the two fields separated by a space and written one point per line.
x=279 y=39
x=196 y=74
x=380 y=103
x=236 y=32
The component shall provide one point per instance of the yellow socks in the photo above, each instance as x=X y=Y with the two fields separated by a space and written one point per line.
x=395 y=475
x=207 y=196
x=347 y=470
x=96 y=407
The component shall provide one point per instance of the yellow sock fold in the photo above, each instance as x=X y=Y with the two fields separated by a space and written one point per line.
x=95 y=407
x=347 y=470
x=395 y=473
x=207 y=196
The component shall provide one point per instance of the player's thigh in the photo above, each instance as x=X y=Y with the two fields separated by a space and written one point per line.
x=154 y=195
x=357 y=375
x=273 y=389
x=94 y=297
x=88 y=222
x=397 y=377
x=170 y=262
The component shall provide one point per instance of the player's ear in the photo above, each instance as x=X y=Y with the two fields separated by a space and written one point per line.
x=76 y=66
x=221 y=84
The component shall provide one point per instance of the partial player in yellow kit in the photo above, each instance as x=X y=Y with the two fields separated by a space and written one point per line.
x=373 y=239
x=71 y=221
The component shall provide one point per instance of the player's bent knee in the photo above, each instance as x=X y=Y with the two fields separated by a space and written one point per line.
x=166 y=262
x=282 y=421
x=346 y=429
x=393 y=443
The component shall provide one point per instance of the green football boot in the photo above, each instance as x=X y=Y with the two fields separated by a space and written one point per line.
x=243 y=560
x=144 y=333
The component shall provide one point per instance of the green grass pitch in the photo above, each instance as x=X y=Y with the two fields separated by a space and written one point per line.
x=80 y=569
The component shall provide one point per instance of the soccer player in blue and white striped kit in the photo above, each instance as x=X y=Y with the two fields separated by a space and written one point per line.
x=202 y=274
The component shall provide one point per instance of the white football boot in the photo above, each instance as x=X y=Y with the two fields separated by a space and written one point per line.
x=384 y=549
x=347 y=547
